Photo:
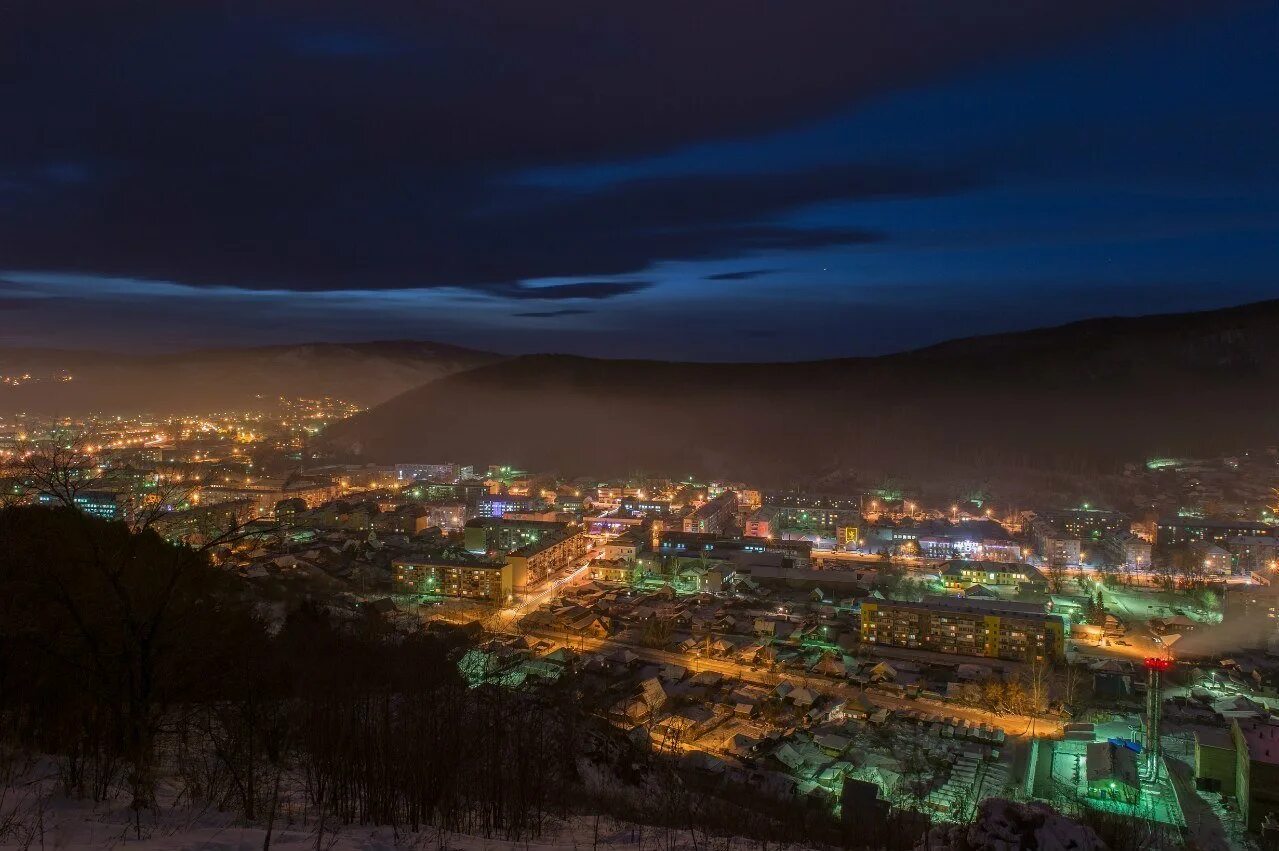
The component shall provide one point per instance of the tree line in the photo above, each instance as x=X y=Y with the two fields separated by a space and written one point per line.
x=131 y=660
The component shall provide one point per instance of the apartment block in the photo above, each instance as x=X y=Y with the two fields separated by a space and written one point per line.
x=996 y=629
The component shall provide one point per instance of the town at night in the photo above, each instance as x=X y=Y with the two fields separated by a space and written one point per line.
x=841 y=426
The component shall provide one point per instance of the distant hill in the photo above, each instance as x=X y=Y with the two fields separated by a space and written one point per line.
x=1081 y=397
x=213 y=379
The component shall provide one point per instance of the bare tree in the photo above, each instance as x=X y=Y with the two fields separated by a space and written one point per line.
x=1055 y=572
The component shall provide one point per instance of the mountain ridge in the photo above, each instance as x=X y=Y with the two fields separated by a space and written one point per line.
x=1086 y=395
x=209 y=379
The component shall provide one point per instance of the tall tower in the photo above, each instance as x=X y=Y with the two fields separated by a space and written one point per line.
x=1154 y=710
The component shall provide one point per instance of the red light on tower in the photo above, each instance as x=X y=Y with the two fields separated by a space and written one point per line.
x=1155 y=664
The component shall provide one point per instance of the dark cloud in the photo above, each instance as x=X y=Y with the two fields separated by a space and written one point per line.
x=324 y=145
x=547 y=314
x=593 y=290
x=742 y=275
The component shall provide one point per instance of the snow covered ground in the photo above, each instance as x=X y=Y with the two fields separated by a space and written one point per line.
x=35 y=815
x=73 y=827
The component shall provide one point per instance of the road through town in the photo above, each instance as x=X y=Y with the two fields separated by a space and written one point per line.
x=1012 y=725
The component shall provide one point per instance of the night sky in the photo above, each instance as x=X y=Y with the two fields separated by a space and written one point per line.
x=714 y=179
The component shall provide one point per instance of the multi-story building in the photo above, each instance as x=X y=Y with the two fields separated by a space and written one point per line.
x=1180 y=531
x=1255 y=554
x=201 y=523
x=748 y=499
x=1088 y=524
x=549 y=555
x=267 y=493
x=611 y=570
x=810 y=501
x=963 y=574
x=1126 y=550
x=761 y=523
x=449 y=516
x=794 y=553
x=1252 y=611
x=405 y=520
x=1053 y=545
x=364 y=477
x=475 y=579
x=625 y=547
x=1214 y=560
x=496 y=505
x=978 y=540
x=1258 y=784
x=639 y=506
x=608 y=525
x=405 y=473
x=611 y=495
x=822 y=512
x=712 y=517
x=287 y=511
x=1242 y=762
x=568 y=503
x=502 y=535
x=107 y=504
x=994 y=628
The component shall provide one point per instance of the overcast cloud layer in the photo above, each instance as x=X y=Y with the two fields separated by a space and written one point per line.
x=585 y=176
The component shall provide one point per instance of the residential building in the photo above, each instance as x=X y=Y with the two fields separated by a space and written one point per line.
x=267 y=492
x=467 y=491
x=1214 y=560
x=405 y=473
x=1252 y=611
x=640 y=507
x=569 y=503
x=606 y=525
x=448 y=516
x=1126 y=550
x=714 y=516
x=776 y=520
x=1254 y=554
x=493 y=581
x=997 y=629
x=625 y=547
x=611 y=570
x=812 y=511
x=287 y=511
x=760 y=523
x=497 y=505
x=1180 y=531
x=794 y=553
x=503 y=534
x=1257 y=787
x=958 y=575
x=548 y=555
x=1087 y=524
x=1053 y=545
x=405 y=520
x=1243 y=763
x=984 y=540
x=106 y=504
